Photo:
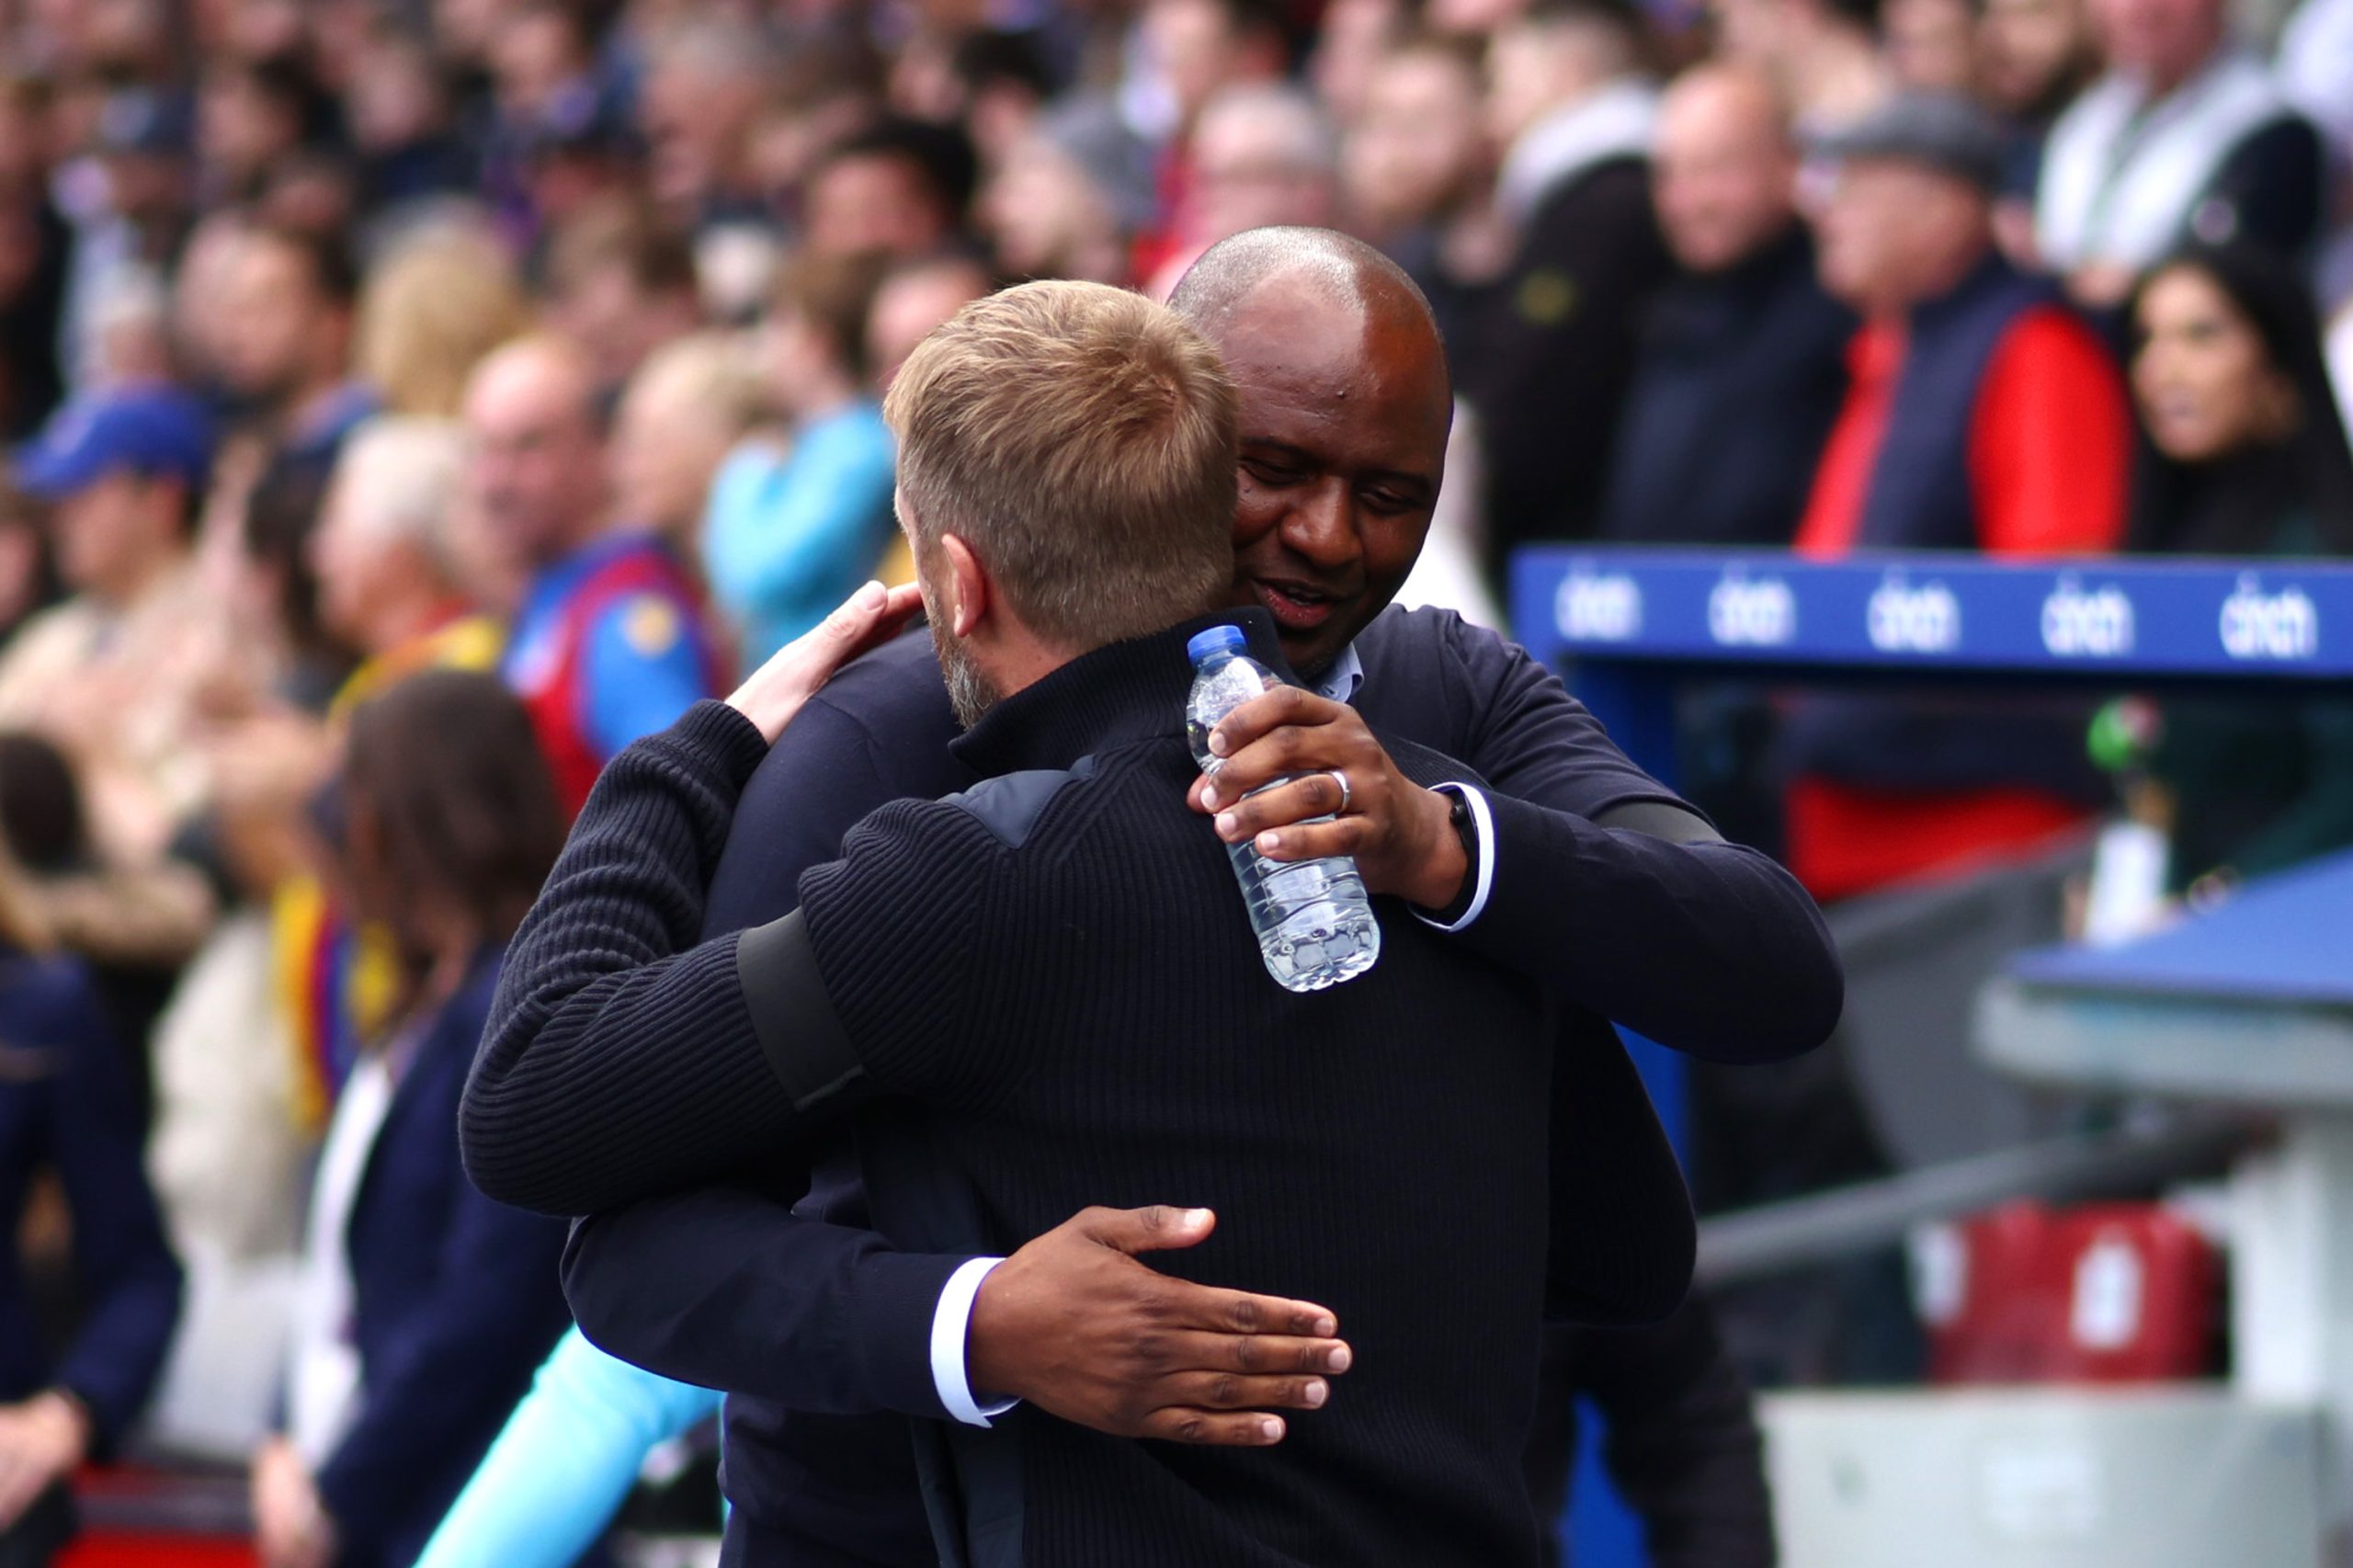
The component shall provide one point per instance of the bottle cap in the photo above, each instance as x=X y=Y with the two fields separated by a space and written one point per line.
x=1216 y=640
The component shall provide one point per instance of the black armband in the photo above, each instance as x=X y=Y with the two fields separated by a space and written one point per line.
x=799 y=1033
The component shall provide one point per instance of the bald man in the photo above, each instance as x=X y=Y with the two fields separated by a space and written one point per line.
x=1344 y=406
x=1743 y=364
x=610 y=643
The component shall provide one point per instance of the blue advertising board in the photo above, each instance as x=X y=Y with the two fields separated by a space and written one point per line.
x=2104 y=619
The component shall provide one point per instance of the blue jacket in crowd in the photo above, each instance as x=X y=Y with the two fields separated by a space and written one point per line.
x=66 y=1105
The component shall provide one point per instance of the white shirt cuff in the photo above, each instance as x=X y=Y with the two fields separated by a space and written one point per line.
x=1484 y=823
x=950 y=1324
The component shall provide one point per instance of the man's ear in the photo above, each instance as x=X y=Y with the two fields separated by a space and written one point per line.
x=969 y=584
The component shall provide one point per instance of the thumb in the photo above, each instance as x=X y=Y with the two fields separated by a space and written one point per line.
x=1156 y=1228
x=855 y=615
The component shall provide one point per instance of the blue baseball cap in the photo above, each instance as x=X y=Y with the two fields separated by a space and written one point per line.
x=154 y=430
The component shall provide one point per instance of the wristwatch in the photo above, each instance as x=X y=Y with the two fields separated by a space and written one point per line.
x=1459 y=817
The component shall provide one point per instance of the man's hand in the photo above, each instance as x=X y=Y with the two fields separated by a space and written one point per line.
x=1073 y=1324
x=1396 y=830
x=867 y=619
x=290 y=1525
x=40 y=1442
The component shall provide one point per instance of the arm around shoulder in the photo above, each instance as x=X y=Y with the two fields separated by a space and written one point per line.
x=622 y=1060
x=616 y=1047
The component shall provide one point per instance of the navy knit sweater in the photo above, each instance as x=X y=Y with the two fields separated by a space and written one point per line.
x=1057 y=964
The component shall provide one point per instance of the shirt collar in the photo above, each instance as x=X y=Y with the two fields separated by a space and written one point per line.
x=1344 y=678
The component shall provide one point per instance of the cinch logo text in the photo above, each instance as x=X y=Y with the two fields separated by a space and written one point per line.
x=2079 y=625
x=2257 y=625
x=1599 y=607
x=1915 y=620
x=1762 y=614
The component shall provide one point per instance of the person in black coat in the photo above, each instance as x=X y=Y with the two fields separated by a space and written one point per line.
x=426 y=1307
x=1743 y=363
x=1551 y=344
x=66 y=1106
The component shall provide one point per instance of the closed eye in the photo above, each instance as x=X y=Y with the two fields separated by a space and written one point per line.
x=1389 y=504
x=1279 y=475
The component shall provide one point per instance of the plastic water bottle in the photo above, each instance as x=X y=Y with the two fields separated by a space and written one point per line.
x=1313 y=919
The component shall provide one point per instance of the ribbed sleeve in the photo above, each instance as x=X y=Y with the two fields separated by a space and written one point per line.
x=620 y=1060
x=894 y=924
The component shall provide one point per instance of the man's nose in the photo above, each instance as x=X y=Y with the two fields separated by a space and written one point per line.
x=1321 y=525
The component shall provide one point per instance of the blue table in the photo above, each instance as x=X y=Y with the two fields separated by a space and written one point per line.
x=1628 y=626
x=2285 y=942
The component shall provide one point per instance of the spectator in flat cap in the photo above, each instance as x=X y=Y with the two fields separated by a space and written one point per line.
x=1941 y=132
x=1982 y=415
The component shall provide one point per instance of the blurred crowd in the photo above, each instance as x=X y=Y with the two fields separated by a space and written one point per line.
x=538 y=343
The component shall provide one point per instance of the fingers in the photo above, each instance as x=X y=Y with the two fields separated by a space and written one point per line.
x=853 y=616
x=1237 y=1390
x=1212 y=1429
x=900 y=606
x=1157 y=1228
x=1260 y=1355
x=1298 y=750
x=775 y=691
x=1301 y=800
x=1239 y=1312
x=1283 y=705
x=1318 y=841
x=874 y=613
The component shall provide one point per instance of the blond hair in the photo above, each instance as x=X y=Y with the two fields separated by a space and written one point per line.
x=710 y=372
x=1080 y=439
x=430 y=311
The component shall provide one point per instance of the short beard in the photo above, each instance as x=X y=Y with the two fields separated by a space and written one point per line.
x=970 y=692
